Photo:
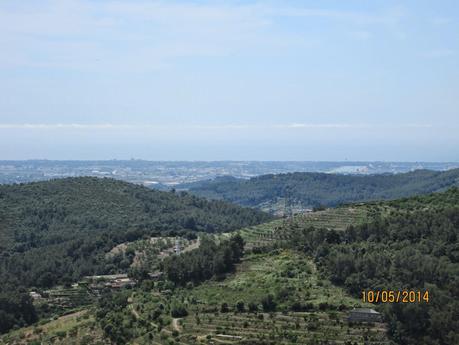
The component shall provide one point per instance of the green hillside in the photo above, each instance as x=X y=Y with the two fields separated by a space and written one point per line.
x=271 y=298
x=406 y=245
x=296 y=283
x=296 y=191
x=57 y=231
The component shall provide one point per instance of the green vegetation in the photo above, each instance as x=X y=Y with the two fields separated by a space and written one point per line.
x=144 y=256
x=208 y=260
x=412 y=246
x=285 y=193
x=295 y=282
x=58 y=231
x=258 y=237
x=78 y=328
x=272 y=298
x=61 y=300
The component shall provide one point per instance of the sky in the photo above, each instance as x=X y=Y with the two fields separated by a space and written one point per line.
x=229 y=80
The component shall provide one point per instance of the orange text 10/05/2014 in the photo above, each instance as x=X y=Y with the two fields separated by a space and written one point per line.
x=395 y=296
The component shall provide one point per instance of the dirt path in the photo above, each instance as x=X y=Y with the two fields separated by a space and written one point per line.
x=134 y=312
x=192 y=246
x=138 y=317
x=176 y=325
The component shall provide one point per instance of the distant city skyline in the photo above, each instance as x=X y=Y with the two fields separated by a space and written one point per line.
x=166 y=173
x=246 y=80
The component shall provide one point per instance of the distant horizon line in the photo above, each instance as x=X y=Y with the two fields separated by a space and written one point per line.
x=223 y=161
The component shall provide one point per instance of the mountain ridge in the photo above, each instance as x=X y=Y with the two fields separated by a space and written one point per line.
x=308 y=190
x=55 y=232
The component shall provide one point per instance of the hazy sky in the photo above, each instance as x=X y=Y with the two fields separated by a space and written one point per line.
x=218 y=80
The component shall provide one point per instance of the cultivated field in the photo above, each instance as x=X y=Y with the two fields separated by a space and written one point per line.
x=305 y=309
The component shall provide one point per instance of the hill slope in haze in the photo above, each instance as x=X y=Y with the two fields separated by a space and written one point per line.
x=57 y=231
x=306 y=190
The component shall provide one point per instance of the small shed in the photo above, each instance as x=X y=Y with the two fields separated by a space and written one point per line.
x=35 y=295
x=364 y=315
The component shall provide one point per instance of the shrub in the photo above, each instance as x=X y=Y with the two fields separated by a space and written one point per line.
x=224 y=307
x=179 y=311
x=253 y=307
x=61 y=334
x=240 y=307
x=268 y=303
x=323 y=306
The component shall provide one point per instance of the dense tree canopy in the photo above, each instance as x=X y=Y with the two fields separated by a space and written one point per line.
x=313 y=189
x=415 y=247
x=209 y=260
x=57 y=231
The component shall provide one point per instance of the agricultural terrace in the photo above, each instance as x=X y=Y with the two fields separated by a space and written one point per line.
x=77 y=328
x=274 y=298
x=332 y=218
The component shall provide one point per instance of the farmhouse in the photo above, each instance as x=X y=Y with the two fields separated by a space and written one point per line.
x=364 y=315
x=120 y=283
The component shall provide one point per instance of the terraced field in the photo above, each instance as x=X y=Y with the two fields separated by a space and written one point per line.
x=278 y=328
x=331 y=218
x=72 y=329
x=260 y=235
x=305 y=308
x=272 y=298
x=69 y=297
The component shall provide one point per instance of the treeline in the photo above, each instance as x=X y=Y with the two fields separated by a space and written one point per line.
x=209 y=260
x=414 y=250
x=55 y=232
x=315 y=189
x=117 y=319
x=16 y=309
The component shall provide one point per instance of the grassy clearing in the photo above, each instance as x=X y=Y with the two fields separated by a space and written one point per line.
x=281 y=273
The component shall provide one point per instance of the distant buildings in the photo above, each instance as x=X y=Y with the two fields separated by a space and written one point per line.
x=169 y=174
x=113 y=281
x=364 y=315
x=120 y=283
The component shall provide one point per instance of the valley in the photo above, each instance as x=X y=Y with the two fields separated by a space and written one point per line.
x=289 y=280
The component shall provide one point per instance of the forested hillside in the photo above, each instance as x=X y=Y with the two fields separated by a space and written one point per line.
x=314 y=189
x=412 y=245
x=295 y=282
x=57 y=231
